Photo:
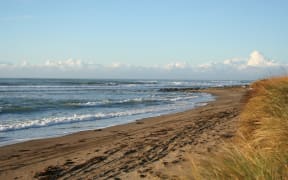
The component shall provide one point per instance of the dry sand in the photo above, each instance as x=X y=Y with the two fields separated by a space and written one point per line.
x=152 y=148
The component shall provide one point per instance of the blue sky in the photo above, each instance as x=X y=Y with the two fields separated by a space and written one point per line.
x=148 y=33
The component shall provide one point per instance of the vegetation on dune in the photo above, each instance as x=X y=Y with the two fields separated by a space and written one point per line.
x=260 y=150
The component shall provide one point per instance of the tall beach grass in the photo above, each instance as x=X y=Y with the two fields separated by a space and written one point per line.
x=260 y=149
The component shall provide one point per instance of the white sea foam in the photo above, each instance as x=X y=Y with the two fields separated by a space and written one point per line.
x=76 y=118
x=183 y=98
x=108 y=101
x=126 y=101
x=84 y=104
x=201 y=104
x=177 y=83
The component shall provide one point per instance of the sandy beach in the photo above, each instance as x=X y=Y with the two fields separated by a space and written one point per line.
x=159 y=147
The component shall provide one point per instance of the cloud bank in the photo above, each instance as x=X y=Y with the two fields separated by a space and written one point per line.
x=254 y=67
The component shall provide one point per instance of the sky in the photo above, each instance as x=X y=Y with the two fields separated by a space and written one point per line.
x=183 y=39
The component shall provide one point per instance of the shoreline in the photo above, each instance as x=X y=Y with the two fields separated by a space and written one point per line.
x=94 y=114
x=192 y=90
x=136 y=145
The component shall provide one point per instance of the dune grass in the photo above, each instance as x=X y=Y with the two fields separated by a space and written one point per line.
x=260 y=149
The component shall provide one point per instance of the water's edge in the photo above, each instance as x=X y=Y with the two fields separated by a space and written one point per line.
x=19 y=141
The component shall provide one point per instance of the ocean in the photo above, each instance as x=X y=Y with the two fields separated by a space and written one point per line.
x=41 y=108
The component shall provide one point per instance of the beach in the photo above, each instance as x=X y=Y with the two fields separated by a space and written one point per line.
x=155 y=147
x=45 y=108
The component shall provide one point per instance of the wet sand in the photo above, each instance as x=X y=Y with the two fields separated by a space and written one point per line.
x=159 y=147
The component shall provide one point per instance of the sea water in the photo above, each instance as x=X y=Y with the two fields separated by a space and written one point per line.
x=40 y=108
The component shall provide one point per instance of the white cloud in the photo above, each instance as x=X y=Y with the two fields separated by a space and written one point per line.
x=258 y=59
x=233 y=61
x=205 y=66
x=255 y=60
x=25 y=64
x=176 y=65
x=253 y=67
x=117 y=65
x=69 y=63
